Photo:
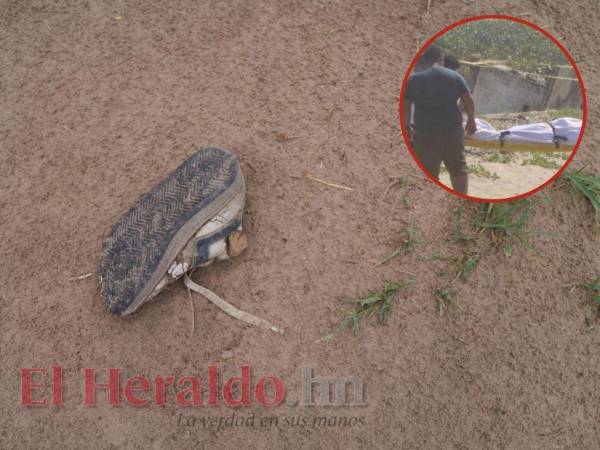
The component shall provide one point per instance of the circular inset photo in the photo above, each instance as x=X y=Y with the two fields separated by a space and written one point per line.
x=492 y=108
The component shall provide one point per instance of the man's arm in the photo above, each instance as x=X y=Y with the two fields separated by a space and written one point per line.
x=469 y=107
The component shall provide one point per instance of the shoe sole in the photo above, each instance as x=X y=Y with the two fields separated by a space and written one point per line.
x=142 y=245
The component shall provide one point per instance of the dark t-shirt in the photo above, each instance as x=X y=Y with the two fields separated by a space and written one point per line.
x=435 y=92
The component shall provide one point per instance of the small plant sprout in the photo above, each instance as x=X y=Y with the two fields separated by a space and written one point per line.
x=459 y=236
x=329 y=34
x=403 y=181
x=593 y=288
x=375 y=303
x=443 y=299
x=466 y=265
x=407 y=246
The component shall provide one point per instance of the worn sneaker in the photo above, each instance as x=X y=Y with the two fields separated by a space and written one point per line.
x=190 y=219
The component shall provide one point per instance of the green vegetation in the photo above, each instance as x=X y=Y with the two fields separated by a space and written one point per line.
x=443 y=299
x=588 y=185
x=576 y=113
x=593 y=288
x=329 y=34
x=504 y=222
x=479 y=171
x=403 y=181
x=407 y=246
x=551 y=114
x=375 y=303
x=458 y=235
x=434 y=257
x=538 y=159
x=466 y=266
x=500 y=157
x=518 y=45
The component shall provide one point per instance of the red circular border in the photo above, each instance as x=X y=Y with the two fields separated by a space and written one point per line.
x=485 y=17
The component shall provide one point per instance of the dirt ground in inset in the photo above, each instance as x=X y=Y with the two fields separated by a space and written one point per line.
x=503 y=180
x=100 y=100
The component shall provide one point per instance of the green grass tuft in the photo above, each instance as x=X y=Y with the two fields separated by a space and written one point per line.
x=459 y=235
x=467 y=265
x=499 y=157
x=538 y=159
x=407 y=246
x=504 y=222
x=444 y=299
x=588 y=185
x=375 y=303
x=479 y=171
x=593 y=288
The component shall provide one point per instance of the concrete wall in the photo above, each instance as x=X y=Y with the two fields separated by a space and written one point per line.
x=497 y=89
x=564 y=93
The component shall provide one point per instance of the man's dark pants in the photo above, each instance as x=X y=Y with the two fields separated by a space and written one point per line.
x=432 y=150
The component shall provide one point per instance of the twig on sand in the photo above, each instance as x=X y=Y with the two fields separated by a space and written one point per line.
x=282 y=137
x=229 y=308
x=81 y=277
x=551 y=433
x=428 y=7
x=310 y=176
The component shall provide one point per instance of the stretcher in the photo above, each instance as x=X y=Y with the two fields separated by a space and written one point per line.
x=559 y=135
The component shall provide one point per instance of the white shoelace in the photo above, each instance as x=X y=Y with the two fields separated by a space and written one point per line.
x=227 y=307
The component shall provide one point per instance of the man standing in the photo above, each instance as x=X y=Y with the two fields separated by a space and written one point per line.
x=439 y=134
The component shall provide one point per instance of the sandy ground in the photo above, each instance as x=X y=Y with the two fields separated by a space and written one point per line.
x=95 y=111
x=513 y=178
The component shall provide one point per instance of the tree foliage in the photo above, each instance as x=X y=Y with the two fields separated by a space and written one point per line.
x=520 y=46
